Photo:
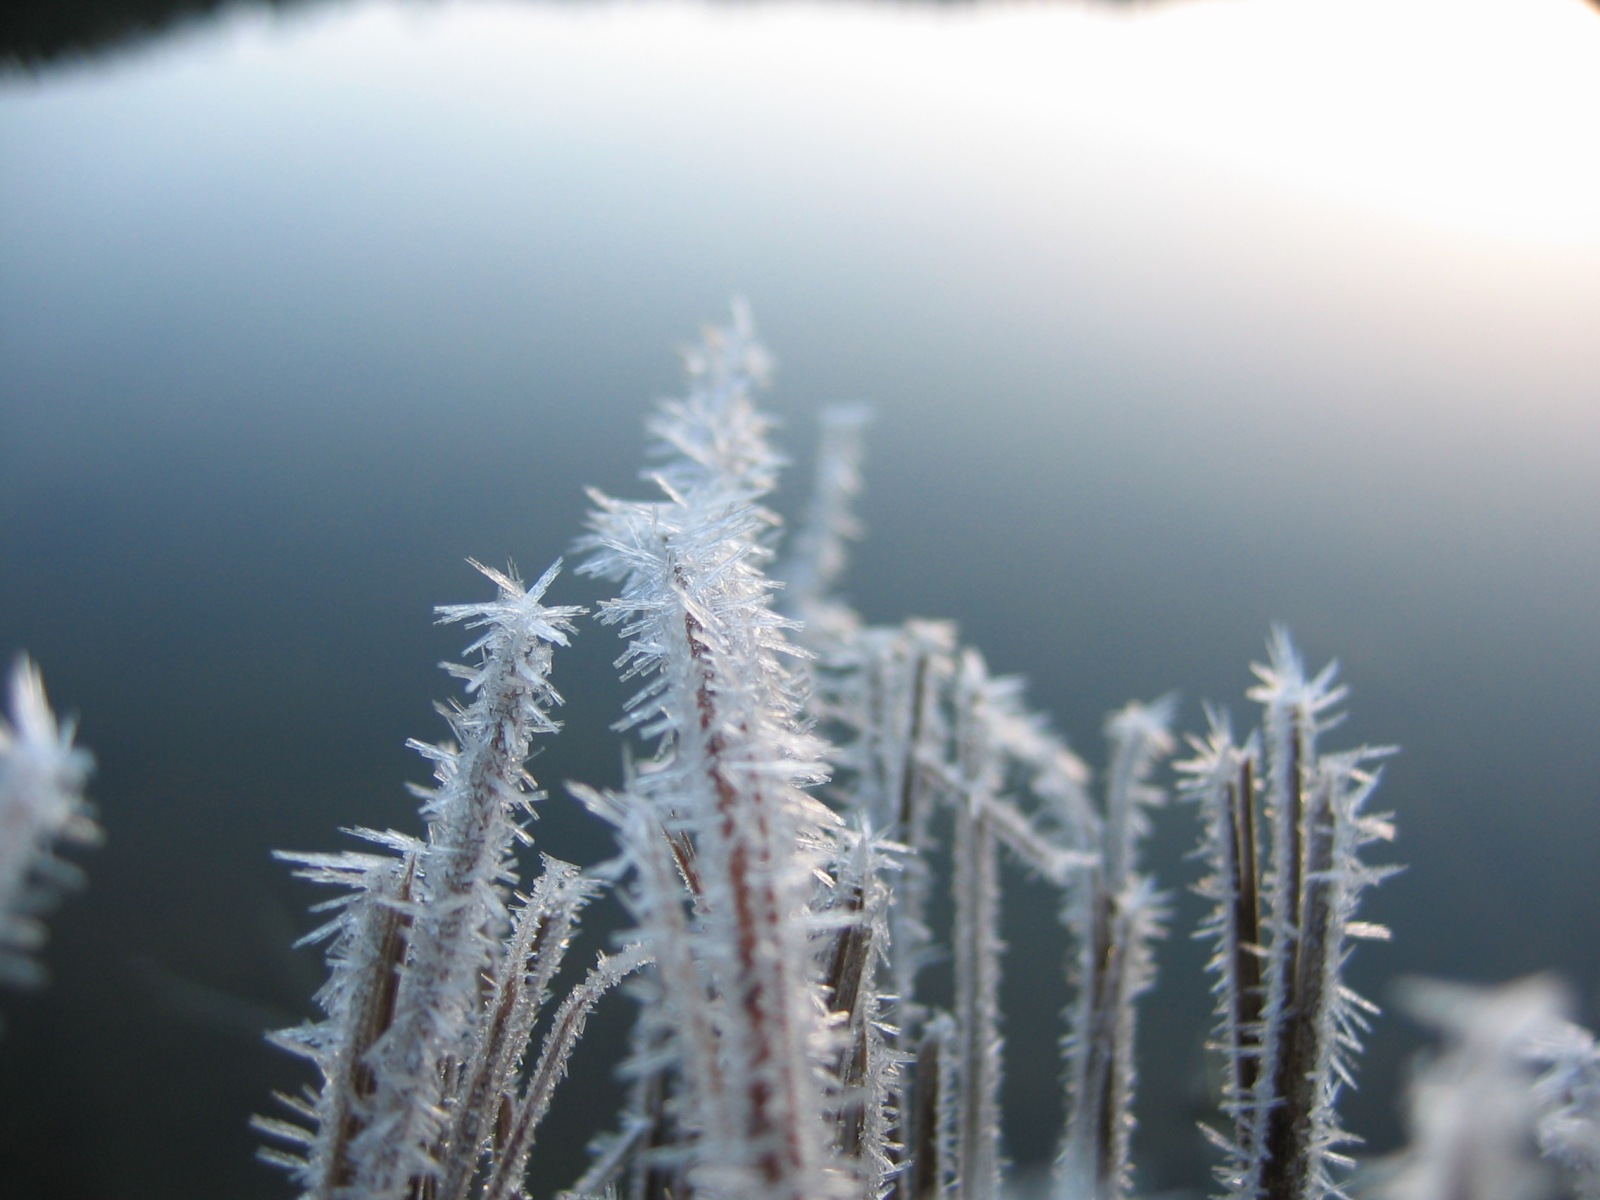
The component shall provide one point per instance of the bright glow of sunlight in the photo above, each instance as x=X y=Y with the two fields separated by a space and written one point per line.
x=1471 y=116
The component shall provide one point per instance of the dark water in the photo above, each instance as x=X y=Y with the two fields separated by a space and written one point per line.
x=297 y=313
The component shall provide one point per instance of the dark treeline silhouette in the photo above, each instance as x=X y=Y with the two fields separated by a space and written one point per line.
x=36 y=34
x=40 y=33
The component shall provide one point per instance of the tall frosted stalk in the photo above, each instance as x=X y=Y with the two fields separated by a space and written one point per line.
x=724 y=787
x=1222 y=777
x=1116 y=915
x=819 y=549
x=978 y=946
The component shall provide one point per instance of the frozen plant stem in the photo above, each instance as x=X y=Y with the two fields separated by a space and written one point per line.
x=513 y=1147
x=1226 y=774
x=417 y=1054
x=866 y=1070
x=1116 y=915
x=724 y=786
x=978 y=947
x=520 y=985
x=1287 y=1022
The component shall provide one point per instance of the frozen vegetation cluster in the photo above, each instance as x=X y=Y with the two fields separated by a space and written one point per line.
x=815 y=810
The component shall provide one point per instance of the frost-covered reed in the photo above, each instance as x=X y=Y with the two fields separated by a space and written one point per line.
x=439 y=969
x=801 y=788
x=42 y=810
x=1283 y=924
x=741 y=1024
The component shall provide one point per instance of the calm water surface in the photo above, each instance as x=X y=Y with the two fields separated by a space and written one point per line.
x=1177 y=322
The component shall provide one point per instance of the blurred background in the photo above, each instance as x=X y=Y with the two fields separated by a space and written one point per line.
x=1178 y=319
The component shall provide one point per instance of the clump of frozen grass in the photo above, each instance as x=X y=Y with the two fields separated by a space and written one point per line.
x=42 y=810
x=1284 y=924
x=803 y=786
x=439 y=969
